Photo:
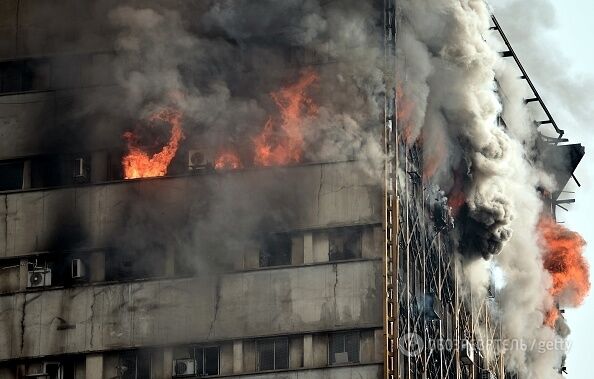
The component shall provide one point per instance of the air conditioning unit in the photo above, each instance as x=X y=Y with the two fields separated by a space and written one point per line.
x=341 y=358
x=80 y=171
x=77 y=269
x=467 y=352
x=39 y=277
x=197 y=160
x=46 y=370
x=184 y=367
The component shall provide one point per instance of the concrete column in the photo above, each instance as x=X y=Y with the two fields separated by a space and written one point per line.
x=96 y=267
x=169 y=269
x=99 y=162
x=367 y=346
x=379 y=345
x=251 y=258
x=308 y=256
x=321 y=247
x=94 y=366
x=167 y=362
x=227 y=360
x=296 y=352
x=23 y=274
x=27 y=174
x=320 y=349
x=308 y=353
x=372 y=239
x=297 y=250
x=237 y=357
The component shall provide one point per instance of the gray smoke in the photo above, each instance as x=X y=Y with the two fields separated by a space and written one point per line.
x=453 y=88
x=218 y=62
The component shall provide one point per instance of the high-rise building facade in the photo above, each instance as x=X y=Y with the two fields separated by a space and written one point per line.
x=226 y=189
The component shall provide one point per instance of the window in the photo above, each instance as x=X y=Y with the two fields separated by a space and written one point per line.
x=273 y=354
x=345 y=244
x=275 y=250
x=134 y=365
x=11 y=176
x=344 y=348
x=53 y=370
x=24 y=75
x=207 y=360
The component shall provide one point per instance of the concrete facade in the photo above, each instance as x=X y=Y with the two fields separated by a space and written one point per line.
x=270 y=302
x=198 y=239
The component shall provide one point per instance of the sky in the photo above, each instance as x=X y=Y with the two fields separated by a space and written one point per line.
x=558 y=55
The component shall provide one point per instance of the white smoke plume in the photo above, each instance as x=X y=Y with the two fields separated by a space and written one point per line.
x=449 y=71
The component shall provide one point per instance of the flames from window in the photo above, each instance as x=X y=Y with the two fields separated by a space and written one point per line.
x=139 y=163
x=228 y=160
x=281 y=140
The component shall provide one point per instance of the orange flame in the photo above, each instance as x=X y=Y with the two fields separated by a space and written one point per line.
x=434 y=155
x=456 y=196
x=284 y=146
x=551 y=317
x=404 y=113
x=138 y=163
x=228 y=160
x=564 y=259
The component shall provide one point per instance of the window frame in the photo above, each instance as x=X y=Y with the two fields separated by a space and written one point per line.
x=345 y=235
x=274 y=341
x=345 y=335
x=201 y=369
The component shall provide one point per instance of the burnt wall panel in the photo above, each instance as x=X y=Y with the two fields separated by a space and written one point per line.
x=187 y=213
x=228 y=307
x=8 y=11
x=26 y=124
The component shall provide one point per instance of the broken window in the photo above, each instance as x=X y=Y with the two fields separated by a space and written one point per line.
x=345 y=244
x=11 y=176
x=344 y=348
x=275 y=250
x=273 y=354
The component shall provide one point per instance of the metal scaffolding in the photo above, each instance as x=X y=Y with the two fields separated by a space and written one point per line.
x=423 y=302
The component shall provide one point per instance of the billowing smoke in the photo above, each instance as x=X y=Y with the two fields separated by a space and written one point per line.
x=230 y=67
x=449 y=71
x=252 y=83
x=455 y=98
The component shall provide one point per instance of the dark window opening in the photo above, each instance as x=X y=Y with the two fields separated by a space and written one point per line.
x=63 y=368
x=136 y=264
x=11 y=176
x=47 y=171
x=53 y=370
x=134 y=365
x=345 y=244
x=207 y=360
x=344 y=348
x=273 y=354
x=24 y=75
x=275 y=250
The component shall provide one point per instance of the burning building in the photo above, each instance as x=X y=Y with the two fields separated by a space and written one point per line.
x=258 y=188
